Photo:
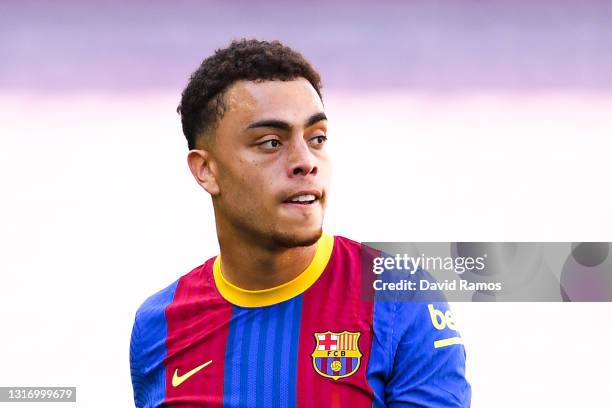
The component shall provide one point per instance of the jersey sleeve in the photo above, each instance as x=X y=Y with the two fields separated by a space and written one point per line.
x=427 y=356
x=148 y=349
x=429 y=363
x=136 y=368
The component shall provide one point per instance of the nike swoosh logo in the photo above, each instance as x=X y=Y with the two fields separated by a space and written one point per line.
x=179 y=379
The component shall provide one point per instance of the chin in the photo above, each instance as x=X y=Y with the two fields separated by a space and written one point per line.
x=300 y=238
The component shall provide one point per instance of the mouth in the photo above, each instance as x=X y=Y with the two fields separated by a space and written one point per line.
x=303 y=198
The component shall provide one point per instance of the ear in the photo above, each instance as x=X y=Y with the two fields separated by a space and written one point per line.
x=203 y=169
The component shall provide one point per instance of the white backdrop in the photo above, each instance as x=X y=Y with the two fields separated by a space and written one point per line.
x=98 y=211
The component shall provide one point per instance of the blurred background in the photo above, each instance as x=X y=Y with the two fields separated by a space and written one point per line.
x=449 y=121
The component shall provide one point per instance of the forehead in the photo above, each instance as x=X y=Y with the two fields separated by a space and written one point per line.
x=293 y=100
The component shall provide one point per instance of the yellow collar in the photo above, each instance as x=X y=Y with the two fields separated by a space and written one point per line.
x=277 y=294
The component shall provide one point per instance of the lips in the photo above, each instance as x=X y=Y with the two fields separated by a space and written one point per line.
x=303 y=197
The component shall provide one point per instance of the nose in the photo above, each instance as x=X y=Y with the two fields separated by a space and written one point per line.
x=301 y=160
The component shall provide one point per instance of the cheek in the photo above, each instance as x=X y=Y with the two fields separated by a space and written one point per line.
x=262 y=181
x=324 y=168
x=247 y=182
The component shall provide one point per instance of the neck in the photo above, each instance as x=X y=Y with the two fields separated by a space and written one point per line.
x=250 y=265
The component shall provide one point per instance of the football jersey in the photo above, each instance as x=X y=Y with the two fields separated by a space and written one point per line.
x=315 y=341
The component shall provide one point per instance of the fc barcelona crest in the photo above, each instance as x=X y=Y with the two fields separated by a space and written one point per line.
x=336 y=355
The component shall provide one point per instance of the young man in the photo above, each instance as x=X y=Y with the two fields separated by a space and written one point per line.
x=278 y=318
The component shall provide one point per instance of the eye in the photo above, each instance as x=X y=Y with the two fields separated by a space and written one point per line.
x=270 y=145
x=318 y=140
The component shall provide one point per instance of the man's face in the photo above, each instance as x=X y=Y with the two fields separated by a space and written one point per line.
x=270 y=164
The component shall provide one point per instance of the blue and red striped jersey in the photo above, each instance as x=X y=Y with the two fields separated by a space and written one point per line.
x=312 y=342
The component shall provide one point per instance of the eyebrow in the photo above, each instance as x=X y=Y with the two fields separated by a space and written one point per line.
x=282 y=125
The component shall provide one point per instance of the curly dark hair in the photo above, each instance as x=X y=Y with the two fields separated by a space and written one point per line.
x=202 y=105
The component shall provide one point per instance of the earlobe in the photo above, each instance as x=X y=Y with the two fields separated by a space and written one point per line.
x=203 y=170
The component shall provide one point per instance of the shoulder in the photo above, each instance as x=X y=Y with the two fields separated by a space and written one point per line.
x=156 y=303
x=346 y=249
x=346 y=243
x=415 y=315
x=149 y=329
x=153 y=308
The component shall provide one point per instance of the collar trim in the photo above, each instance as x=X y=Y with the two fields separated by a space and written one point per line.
x=277 y=294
